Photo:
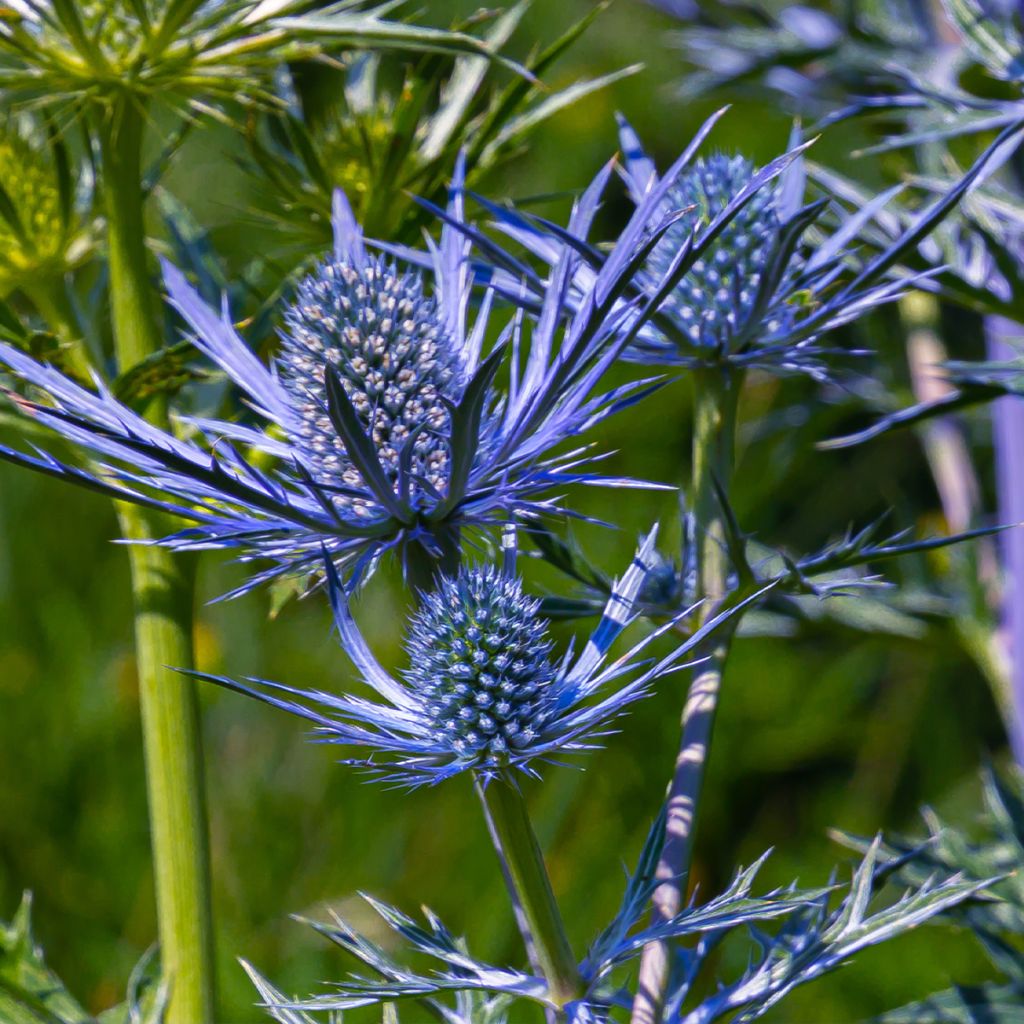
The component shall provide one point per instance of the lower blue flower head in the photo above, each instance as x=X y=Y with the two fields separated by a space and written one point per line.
x=478 y=652
x=482 y=693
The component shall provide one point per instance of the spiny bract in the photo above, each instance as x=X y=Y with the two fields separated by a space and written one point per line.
x=396 y=362
x=479 y=659
x=717 y=297
x=115 y=28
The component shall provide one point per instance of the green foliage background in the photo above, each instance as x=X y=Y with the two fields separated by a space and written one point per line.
x=829 y=727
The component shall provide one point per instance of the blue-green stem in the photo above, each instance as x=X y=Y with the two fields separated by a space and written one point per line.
x=163 y=590
x=714 y=441
x=530 y=887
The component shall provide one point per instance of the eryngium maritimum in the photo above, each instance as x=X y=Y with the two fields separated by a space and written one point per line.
x=384 y=426
x=483 y=692
x=724 y=271
x=717 y=298
x=396 y=363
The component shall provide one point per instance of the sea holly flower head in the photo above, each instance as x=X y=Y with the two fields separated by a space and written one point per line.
x=718 y=297
x=383 y=423
x=730 y=266
x=385 y=341
x=479 y=655
x=483 y=692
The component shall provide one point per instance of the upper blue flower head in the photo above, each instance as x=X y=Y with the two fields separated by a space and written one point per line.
x=396 y=361
x=714 y=266
x=384 y=428
x=717 y=298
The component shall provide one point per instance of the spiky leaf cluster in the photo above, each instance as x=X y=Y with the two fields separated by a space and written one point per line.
x=385 y=130
x=993 y=849
x=479 y=660
x=807 y=939
x=32 y=993
x=395 y=361
x=203 y=55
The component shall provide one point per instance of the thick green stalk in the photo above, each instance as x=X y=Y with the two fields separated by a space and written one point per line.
x=517 y=906
x=163 y=590
x=530 y=887
x=714 y=439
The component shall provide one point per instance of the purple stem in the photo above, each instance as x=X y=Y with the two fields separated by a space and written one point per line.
x=1008 y=439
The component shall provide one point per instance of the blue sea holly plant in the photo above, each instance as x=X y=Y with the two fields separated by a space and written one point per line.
x=127 y=77
x=780 y=274
x=484 y=695
x=387 y=425
x=384 y=423
x=927 y=85
x=768 y=308
x=416 y=402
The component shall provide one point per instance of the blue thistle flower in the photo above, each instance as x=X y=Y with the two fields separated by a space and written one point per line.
x=384 y=422
x=717 y=300
x=478 y=656
x=721 y=270
x=483 y=692
x=396 y=362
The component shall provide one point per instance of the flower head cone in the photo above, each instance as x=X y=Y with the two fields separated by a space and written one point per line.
x=484 y=691
x=716 y=301
x=381 y=418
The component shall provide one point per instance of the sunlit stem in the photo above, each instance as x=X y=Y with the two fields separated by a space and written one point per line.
x=530 y=887
x=974 y=568
x=714 y=440
x=163 y=593
x=1004 y=338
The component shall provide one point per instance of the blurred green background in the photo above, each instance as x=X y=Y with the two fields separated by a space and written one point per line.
x=830 y=726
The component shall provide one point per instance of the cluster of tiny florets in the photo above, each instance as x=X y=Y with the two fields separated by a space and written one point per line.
x=396 y=363
x=716 y=298
x=30 y=182
x=479 y=664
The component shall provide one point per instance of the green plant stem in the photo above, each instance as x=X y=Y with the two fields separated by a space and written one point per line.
x=530 y=887
x=52 y=302
x=714 y=440
x=517 y=906
x=163 y=589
